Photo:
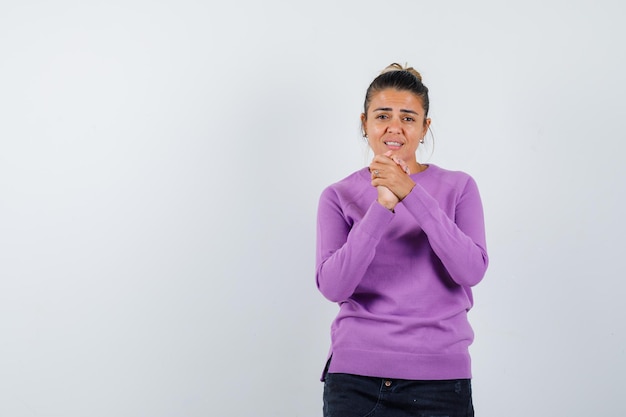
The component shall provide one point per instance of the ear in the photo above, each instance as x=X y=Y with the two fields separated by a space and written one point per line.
x=363 y=121
x=426 y=125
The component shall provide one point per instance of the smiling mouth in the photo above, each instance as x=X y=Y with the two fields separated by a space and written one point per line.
x=393 y=143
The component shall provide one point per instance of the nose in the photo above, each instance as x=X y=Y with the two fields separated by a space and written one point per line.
x=394 y=126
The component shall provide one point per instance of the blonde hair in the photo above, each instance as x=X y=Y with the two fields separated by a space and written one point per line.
x=397 y=67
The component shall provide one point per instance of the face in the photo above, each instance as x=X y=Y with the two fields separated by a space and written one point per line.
x=395 y=122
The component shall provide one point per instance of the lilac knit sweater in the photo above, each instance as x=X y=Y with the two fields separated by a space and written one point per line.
x=402 y=280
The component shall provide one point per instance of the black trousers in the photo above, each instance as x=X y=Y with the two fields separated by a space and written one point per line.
x=347 y=395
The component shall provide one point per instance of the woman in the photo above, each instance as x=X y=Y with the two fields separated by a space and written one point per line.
x=399 y=244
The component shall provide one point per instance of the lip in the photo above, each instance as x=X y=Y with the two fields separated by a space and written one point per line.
x=393 y=144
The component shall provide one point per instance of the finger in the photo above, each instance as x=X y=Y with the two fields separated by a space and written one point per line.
x=385 y=158
x=401 y=164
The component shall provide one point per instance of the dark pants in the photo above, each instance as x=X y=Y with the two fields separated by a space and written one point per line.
x=348 y=395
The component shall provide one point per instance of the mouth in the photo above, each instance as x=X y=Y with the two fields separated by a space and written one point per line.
x=392 y=144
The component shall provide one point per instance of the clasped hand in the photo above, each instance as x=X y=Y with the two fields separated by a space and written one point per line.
x=390 y=176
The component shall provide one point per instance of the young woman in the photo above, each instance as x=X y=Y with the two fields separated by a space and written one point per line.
x=399 y=244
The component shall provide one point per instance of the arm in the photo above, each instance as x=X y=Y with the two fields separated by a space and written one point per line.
x=344 y=251
x=459 y=243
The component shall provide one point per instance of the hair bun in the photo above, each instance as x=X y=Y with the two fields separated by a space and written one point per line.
x=397 y=67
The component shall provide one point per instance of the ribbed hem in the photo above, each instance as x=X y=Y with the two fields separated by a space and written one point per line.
x=401 y=365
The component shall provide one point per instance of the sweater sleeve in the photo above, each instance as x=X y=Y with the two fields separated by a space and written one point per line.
x=460 y=242
x=344 y=250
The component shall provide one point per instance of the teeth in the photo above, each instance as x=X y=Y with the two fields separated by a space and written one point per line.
x=394 y=143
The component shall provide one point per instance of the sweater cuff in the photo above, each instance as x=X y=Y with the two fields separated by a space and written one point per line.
x=421 y=205
x=375 y=220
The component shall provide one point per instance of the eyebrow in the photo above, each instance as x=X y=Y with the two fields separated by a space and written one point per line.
x=390 y=109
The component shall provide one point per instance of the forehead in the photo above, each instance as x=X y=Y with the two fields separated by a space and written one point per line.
x=390 y=98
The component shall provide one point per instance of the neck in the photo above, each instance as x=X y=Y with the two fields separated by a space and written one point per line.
x=415 y=167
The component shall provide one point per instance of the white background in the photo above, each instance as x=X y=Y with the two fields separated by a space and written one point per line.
x=161 y=161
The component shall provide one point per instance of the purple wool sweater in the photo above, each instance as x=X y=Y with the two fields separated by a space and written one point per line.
x=402 y=280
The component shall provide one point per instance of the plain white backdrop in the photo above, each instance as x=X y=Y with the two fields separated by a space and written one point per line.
x=161 y=161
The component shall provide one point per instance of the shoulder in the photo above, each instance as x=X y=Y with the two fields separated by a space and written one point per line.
x=349 y=188
x=350 y=184
x=453 y=178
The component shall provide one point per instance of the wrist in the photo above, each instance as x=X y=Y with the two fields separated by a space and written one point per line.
x=407 y=192
x=388 y=205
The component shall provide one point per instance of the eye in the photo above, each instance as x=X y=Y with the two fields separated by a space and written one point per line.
x=382 y=117
x=409 y=119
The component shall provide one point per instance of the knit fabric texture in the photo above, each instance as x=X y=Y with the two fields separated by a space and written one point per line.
x=401 y=279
